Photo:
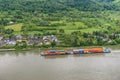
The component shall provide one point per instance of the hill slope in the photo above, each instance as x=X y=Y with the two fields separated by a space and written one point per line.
x=54 y=5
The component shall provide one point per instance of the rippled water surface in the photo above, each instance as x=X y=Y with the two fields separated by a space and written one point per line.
x=31 y=66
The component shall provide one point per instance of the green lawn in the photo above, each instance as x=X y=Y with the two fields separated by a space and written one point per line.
x=17 y=33
x=90 y=30
x=29 y=32
x=15 y=27
x=34 y=32
x=73 y=26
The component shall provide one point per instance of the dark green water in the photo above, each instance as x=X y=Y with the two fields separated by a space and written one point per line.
x=31 y=66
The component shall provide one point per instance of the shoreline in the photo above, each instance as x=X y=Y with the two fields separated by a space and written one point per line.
x=113 y=47
x=7 y=49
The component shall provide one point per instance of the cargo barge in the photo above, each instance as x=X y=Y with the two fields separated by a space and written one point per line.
x=55 y=52
x=91 y=50
x=76 y=51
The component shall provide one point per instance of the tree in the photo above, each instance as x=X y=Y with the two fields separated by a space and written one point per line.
x=53 y=44
x=21 y=45
x=2 y=29
x=113 y=42
x=99 y=41
x=61 y=31
x=24 y=44
x=9 y=31
x=85 y=35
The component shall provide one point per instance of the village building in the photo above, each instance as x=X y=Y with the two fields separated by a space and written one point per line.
x=30 y=40
x=19 y=38
x=1 y=37
x=48 y=39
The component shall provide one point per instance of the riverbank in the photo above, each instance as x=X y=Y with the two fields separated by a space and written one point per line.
x=113 y=47
x=13 y=49
x=7 y=50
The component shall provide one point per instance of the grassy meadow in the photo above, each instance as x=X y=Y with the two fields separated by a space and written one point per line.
x=15 y=27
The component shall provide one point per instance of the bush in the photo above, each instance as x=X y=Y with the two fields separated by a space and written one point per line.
x=45 y=45
x=53 y=44
x=61 y=31
x=117 y=40
x=113 y=42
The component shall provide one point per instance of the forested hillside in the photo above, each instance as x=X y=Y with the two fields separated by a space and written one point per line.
x=55 y=5
x=80 y=22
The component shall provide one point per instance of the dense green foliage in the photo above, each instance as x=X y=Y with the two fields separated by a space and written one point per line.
x=55 y=5
x=74 y=22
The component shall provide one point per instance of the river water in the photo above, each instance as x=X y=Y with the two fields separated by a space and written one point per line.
x=30 y=65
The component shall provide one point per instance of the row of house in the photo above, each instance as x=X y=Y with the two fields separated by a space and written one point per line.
x=29 y=39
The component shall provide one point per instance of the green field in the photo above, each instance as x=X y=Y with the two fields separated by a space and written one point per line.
x=114 y=15
x=84 y=25
x=68 y=28
x=15 y=27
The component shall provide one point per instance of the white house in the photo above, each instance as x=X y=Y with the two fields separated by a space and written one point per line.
x=12 y=42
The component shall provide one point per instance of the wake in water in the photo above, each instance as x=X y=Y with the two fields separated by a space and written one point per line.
x=115 y=51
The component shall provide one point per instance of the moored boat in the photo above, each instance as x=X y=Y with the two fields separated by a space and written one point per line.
x=75 y=51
